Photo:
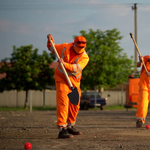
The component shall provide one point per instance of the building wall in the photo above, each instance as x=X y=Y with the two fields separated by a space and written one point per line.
x=17 y=99
x=115 y=97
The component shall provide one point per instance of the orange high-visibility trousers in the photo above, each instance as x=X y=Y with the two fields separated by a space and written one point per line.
x=66 y=111
x=142 y=105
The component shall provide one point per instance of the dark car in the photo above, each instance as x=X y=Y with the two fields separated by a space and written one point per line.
x=88 y=100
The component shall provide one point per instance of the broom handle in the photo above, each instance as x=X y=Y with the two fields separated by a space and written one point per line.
x=62 y=66
x=138 y=50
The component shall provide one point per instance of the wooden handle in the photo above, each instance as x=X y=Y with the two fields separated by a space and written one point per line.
x=138 y=50
x=62 y=66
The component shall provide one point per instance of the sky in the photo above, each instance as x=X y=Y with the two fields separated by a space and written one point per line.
x=24 y=22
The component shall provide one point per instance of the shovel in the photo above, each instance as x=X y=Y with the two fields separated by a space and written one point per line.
x=138 y=50
x=74 y=95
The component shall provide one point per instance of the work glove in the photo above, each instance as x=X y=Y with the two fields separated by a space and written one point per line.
x=148 y=74
x=49 y=36
x=141 y=58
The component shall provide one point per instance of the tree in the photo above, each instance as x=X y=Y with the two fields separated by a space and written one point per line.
x=26 y=70
x=108 y=65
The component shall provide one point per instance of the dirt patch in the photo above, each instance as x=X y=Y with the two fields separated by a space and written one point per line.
x=102 y=130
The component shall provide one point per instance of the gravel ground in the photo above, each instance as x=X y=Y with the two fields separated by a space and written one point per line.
x=102 y=130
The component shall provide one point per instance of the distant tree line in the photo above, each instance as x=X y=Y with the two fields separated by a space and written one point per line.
x=108 y=66
x=27 y=70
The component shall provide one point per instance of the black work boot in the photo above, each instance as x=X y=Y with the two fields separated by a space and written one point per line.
x=64 y=134
x=72 y=130
x=139 y=123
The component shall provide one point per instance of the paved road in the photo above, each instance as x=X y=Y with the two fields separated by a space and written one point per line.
x=102 y=130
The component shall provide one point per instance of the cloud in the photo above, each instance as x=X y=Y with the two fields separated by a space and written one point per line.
x=144 y=9
x=10 y=26
x=85 y=2
x=5 y=25
x=118 y=10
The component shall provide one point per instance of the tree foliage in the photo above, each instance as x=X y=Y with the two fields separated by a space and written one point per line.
x=26 y=70
x=108 y=65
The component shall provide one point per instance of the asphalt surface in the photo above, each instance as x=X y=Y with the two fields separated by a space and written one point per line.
x=102 y=130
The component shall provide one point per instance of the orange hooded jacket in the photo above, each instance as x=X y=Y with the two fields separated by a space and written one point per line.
x=74 y=66
x=144 y=79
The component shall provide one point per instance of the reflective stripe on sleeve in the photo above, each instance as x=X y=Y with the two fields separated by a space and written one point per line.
x=51 y=49
x=63 y=51
x=76 y=60
x=79 y=67
x=70 y=74
x=79 y=75
x=75 y=68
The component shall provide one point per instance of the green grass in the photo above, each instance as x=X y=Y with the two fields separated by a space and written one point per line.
x=44 y=108
x=118 y=107
x=114 y=107
x=11 y=109
x=109 y=108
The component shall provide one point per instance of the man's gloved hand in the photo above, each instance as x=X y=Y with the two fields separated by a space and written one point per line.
x=61 y=61
x=148 y=74
x=141 y=58
x=49 y=36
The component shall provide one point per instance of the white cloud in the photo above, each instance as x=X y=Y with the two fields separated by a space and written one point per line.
x=144 y=9
x=118 y=10
x=5 y=25
x=10 y=26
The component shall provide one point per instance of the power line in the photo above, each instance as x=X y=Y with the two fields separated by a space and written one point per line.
x=66 y=6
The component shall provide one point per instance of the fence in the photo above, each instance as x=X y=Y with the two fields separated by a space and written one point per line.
x=48 y=98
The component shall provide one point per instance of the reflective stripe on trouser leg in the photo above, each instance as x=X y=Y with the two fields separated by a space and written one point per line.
x=62 y=103
x=139 y=118
x=142 y=105
x=73 y=111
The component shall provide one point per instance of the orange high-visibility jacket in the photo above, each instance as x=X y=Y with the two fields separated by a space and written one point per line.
x=144 y=79
x=73 y=67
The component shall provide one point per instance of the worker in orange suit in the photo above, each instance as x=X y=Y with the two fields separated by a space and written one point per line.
x=144 y=91
x=74 y=58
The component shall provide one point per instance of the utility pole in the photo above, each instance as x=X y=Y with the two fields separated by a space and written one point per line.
x=135 y=31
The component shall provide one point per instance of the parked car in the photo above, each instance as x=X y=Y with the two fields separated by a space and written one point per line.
x=88 y=100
